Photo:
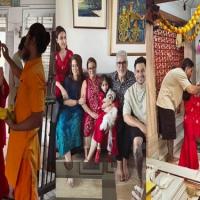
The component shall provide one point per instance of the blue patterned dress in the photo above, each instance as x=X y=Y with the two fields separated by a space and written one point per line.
x=68 y=129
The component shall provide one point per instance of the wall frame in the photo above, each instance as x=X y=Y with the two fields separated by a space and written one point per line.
x=127 y=28
x=90 y=14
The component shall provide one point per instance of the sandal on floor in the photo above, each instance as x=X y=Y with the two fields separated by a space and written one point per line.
x=136 y=195
x=139 y=189
x=137 y=192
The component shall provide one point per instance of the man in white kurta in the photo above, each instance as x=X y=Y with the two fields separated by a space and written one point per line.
x=134 y=114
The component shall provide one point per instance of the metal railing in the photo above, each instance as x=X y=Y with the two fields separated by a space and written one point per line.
x=46 y=175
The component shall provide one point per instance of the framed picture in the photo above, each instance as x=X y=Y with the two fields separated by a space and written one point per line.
x=89 y=13
x=128 y=27
x=5 y=2
x=91 y=168
x=13 y=3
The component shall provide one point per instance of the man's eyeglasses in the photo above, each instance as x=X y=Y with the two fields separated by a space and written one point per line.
x=121 y=63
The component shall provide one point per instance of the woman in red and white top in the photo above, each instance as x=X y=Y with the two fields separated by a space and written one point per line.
x=62 y=63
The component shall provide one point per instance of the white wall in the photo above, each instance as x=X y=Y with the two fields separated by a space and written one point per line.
x=87 y=42
x=17 y=15
x=197 y=55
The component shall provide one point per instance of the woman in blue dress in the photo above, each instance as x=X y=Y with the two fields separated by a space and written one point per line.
x=69 y=121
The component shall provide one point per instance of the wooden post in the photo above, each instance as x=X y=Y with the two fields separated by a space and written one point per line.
x=152 y=135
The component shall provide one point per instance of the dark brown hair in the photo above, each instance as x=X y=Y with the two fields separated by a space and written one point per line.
x=91 y=59
x=21 y=44
x=59 y=29
x=106 y=79
x=187 y=62
x=140 y=60
x=42 y=37
x=186 y=95
x=78 y=59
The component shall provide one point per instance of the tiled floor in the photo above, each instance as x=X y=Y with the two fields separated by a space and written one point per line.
x=124 y=188
x=193 y=189
x=50 y=195
x=82 y=186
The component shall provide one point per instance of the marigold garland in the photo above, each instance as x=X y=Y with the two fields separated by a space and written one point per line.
x=166 y=25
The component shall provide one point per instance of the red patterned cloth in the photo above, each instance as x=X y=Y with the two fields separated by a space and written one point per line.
x=99 y=135
x=62 y=68
x=92 y=102
x=189 y=157
x=165 y=46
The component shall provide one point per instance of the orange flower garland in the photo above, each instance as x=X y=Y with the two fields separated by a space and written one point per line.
x=166 y=25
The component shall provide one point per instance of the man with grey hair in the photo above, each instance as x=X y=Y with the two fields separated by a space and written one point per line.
x=122 y=79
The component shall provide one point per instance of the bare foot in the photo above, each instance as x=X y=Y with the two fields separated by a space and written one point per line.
x=126 y=172
x=172 y=160
x=86 y=160
x=70 y=181
x=119 y=172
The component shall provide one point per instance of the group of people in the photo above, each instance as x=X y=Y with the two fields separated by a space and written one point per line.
x=177 y=86
x=91 y=111
x=107 y=111
x=18 y=177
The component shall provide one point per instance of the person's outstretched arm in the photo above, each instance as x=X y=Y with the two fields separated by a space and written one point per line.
x=15 y=69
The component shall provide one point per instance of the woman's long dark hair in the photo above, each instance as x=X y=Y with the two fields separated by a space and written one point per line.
x=186 y=95
x=59 y=29
x=78 y=59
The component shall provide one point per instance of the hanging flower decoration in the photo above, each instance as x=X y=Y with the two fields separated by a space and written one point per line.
x=192 y=23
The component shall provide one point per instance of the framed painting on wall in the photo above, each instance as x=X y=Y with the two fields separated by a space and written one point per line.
x=13 y=3
x=128 y=27
x=89 y=13
x=5 y=2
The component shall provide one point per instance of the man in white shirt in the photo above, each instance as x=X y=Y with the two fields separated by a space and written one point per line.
x=169 y=98
x=13 y=80
x=134 y=114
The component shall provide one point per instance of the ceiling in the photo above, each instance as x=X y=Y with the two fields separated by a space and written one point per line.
x=189 y=3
